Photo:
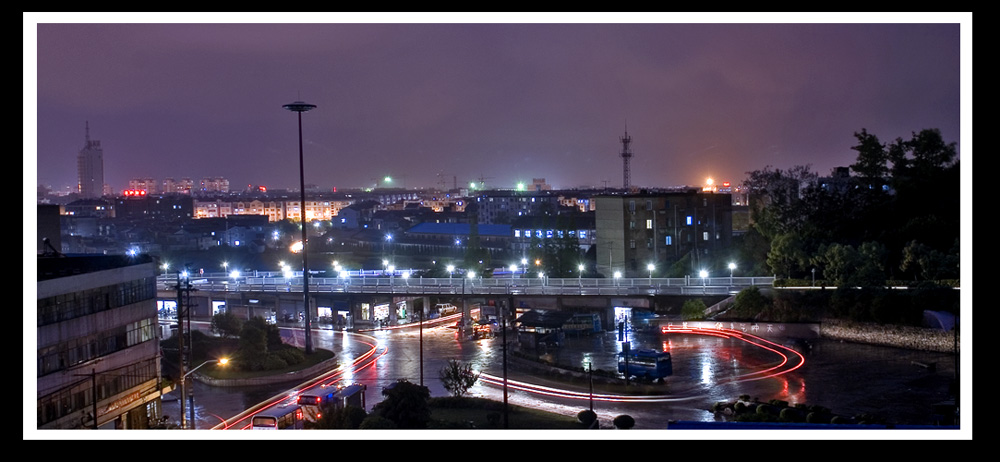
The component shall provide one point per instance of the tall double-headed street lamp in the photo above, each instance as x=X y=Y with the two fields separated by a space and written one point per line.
x=301 y=107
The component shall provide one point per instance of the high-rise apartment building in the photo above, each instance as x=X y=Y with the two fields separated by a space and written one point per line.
x=90 y=168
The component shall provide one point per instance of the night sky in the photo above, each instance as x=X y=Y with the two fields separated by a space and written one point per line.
x=465 y=98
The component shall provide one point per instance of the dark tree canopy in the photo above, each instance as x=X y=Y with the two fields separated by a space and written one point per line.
x=854 y=228
x=405 y=404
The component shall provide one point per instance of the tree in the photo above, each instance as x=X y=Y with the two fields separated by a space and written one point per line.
x=377 y=422
x=786 y=254
x=931 y=264
x=405 y=405
x=693 y=310
x=252 y=347
x=871 y=272
x=458 y=378
x=775 y=198
x=226 y=324
x=872 y=163
x=837 y=261
x=751 y=300
x=272 y=336
x=930 y=153
x=336 y=417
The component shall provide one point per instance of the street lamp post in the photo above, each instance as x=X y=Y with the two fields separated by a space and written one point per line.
x=590 y=373
x=184 y=396
x=732 y=266
x=650 y=267
x=301 y=107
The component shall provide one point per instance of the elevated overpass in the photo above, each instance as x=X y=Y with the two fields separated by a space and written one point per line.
x=355 y=297
x=419 y=286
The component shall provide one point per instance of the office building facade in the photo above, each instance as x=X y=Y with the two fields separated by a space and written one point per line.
x=660 y=228
x=98 y=353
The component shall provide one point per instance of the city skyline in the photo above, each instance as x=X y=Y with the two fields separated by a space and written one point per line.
x=432 y=104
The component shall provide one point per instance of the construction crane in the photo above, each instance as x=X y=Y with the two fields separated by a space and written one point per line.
x=442 y=180
x=482 y=181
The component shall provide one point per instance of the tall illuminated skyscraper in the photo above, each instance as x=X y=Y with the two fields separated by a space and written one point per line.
x=90 y=168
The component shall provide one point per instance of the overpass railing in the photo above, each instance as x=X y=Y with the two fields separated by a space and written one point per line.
x=469 y=286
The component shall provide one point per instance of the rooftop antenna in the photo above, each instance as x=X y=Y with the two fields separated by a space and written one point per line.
x=626 y=156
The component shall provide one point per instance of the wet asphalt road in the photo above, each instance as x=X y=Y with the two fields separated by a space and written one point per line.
x=850 y=379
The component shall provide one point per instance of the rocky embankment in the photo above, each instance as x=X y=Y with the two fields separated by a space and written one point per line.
x=914 y=338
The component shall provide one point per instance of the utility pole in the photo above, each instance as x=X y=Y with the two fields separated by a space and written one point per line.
x=503 y=325
x=183 y=311
x=180 y=340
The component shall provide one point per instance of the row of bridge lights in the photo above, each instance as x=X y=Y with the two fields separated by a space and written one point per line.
x=344 y=274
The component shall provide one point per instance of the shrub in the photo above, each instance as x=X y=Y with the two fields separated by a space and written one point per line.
x=586 y=417
x=291 y=355
x=750 y=302
x=693 y=310
x=273 y=362
x=624 y=422
x=376 y=422
x=765 y=409
x=790 y=414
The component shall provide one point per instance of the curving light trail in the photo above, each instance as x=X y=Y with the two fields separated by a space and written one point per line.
x=429 y=322
x=785 y=366
x=330 y=378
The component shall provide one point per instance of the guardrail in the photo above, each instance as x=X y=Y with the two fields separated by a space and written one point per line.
x=472 y=286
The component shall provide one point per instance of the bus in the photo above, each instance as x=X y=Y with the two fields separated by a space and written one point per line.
x=282 y=417
x=646 y=364
x=311 y=405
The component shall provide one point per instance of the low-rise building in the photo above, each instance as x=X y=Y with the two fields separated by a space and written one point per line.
x=98 y=353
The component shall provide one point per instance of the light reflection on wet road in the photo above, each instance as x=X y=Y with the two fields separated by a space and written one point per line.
x=847 y=378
